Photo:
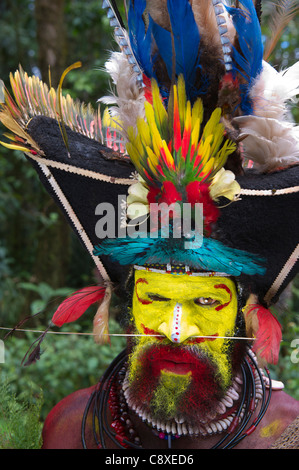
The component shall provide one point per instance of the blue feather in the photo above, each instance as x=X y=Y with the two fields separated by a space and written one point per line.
x=186 y=43
x=141 y=41
x=212 y=255
x=249 y=62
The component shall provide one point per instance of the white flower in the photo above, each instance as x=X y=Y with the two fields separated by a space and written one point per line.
x=224 y=184
x=137 y=201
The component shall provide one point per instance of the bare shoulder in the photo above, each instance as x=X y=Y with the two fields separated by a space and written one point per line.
x=284 y=406
x=282 y=412
x=62 y=427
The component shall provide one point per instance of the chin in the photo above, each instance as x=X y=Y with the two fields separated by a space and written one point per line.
x=179 y=382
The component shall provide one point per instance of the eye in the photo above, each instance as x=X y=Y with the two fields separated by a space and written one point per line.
x=158 y=298
x=206 y=301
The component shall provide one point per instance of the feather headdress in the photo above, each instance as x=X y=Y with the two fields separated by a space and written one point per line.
x=192 y=102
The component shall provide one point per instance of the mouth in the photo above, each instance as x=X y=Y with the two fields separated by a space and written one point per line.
x=176 y=360
x=179 y=368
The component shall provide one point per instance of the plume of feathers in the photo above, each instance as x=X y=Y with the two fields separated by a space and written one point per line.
x=273 y=91
x=32 y=98
x=208 y=254
x=269 y=139
x=167 y=37
x=101 y=318
x=74 y=306
x=268 y=143
x=127 y=103
x=261 y=324
x=179 y=47
x=121 y=36
x=247 y=54
x=283 y=12
x=68 y=311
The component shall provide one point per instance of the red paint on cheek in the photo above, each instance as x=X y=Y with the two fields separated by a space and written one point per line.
x=223 y=286
x=149 y=331
x=201 y=340
x=142 y=301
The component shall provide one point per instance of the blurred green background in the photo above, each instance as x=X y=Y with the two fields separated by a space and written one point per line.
x=41 y=260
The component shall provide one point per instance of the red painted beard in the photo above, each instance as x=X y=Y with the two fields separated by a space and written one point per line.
x=198 y=401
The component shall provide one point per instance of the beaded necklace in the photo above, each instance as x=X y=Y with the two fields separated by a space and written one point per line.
x=109 y=394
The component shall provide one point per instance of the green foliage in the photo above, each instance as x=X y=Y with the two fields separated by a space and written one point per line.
x=29 y=224
x=20 y=425
x=68 y=363
x=45 y=292
x=287 y=368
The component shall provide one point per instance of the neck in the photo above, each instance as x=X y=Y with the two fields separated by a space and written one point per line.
x=231 y=424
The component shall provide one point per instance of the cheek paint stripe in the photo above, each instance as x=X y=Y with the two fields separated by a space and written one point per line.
x=176 y=323
x=223 y=286
x=150 y=332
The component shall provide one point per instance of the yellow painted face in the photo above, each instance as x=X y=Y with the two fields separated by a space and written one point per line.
x=191 y=315
x=181 y=307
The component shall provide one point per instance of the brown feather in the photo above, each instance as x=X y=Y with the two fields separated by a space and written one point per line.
x=284 y=12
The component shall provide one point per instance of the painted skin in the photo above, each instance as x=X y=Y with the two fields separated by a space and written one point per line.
x=62 y=428
x=183 y=309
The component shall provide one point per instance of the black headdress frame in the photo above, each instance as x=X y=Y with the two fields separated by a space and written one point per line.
x=263 y=221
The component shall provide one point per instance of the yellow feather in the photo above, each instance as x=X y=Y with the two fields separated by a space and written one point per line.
x=160 y=112
x=106 y=118
x=217 y=138
x=204 y=149
x=144 y=131
x=195 y=132
x=156 y=138
x=188 y=116
x=182 y=98
x=134 y=156
x=197 y=112
x=209 y=165
x=169 y=157
x=15 y=128
x=212 y=122
x=152 y=160
x=14 y=147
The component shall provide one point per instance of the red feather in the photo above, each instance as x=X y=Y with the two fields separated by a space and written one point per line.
x=262 y=324
x=74 y=306
x=147 y=89
x=198 y=192
x=170 y=194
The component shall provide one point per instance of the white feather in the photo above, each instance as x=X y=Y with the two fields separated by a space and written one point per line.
x=128 y=97
x=274 y=91
x=101 y=319
x=269 y=143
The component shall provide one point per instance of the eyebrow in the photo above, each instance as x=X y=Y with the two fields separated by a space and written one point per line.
x=160 y=297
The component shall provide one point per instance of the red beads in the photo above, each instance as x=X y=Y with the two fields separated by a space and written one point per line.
x=121 y=423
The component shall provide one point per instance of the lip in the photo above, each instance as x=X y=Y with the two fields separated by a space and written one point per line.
x=173 y=360
x=180 y=368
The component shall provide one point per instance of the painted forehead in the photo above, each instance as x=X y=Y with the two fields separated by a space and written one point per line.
x=173 y=285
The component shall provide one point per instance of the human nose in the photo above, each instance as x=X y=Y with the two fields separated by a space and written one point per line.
x=177 y=328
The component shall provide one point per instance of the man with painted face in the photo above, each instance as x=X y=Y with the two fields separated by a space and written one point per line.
x=196 y=107
x=187 y=381
x=181 y=374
